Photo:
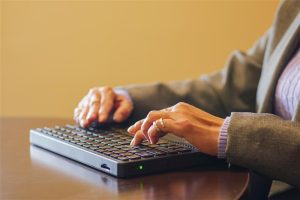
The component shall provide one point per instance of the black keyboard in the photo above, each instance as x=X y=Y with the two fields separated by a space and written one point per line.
x=112 y=142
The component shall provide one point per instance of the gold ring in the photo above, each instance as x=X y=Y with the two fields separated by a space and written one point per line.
x=156 y=127
x=161 y=121
x=93 y=101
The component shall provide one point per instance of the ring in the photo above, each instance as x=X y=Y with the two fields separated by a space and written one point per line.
x=161 y=121
x=94 y=100
x=156 y=127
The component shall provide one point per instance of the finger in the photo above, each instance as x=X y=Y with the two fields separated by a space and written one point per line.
x=123 y=111
x=106 y=105
x=151 y=117
x=135 y=127
x=76 y=114
x=179 y=128
x=94 y=107
x=155 y=134
x=93 y=112
x=83 y=102
x=137 y=139
x=82 y=117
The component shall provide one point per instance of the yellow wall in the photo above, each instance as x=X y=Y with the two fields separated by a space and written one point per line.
x=53 y=51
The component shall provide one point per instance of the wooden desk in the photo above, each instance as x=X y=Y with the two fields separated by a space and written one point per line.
x=28 y=172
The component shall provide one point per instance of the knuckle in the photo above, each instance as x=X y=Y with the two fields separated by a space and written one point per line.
x=106 y=89
x=93 y=90
x=76 y=110
x=181 y=106
x=151 y=114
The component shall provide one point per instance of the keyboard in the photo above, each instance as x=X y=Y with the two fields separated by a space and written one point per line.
x=108 y=149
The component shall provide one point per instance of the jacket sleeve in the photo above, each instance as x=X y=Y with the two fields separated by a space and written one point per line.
x=265 y=143
x=231 y=89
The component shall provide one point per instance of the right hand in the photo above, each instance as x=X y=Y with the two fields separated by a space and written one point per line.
x=99 y=103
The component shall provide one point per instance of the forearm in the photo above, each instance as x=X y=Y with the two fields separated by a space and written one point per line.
x=231 y=89
x=157 y=96
x=265 y=143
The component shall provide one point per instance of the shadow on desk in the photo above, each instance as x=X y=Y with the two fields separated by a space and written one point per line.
x=196 y=182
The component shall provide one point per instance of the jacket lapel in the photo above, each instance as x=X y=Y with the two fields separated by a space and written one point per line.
x=277 y=61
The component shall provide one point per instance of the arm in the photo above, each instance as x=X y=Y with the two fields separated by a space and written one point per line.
x=265 y=143
x=232 y=89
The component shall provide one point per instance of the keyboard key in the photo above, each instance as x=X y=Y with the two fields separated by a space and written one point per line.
x=113 y=149
x=127 y=154
x=135 y=151
x=124 y=142
x=123 y=158
x=152 y=145
x=96 y=144
x=114 y=155
x=119 y=152
x=183 y=150
x=101 y=150
x=145 y=154
x=125 y=148
x=134 y=157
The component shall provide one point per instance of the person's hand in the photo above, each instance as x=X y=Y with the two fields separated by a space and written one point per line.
x=199 y=128
x=99 y=103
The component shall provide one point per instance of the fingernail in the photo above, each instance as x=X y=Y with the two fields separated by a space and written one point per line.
x=129 y=129
x=117 y=118
x=101 y=118
x=132 y=142
x=154 y=140
x=88 y=116
x=82 y=122
x=151 y=141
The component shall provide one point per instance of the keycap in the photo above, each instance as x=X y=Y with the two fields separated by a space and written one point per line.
x=127 y=154
x=123 y=158
x=124 y=142
x=133 y=157
x=119 y=151
x=106 y=152
x=183 y=150
x=145 y=154
x=94 y=148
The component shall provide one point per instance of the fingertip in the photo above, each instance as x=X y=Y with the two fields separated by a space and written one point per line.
x=118 y=118
x=101 y=118
x=154 y=140
x=147 y=137
x=130 y=130
x=144 y=131
x=82 y=123
x=134 y=142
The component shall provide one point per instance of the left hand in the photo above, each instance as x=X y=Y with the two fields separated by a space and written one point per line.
x=199 y=128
